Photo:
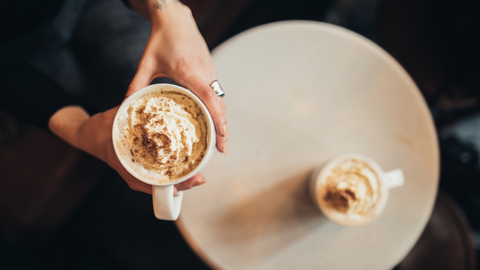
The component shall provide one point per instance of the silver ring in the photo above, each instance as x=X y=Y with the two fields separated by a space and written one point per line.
x=217 y=88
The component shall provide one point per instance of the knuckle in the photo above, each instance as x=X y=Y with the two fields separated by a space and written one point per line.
x=209 y=93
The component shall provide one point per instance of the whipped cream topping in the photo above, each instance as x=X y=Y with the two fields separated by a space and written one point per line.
x=352 y=190
x=166 y=135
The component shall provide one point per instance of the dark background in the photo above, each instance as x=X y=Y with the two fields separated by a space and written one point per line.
x=69 y=211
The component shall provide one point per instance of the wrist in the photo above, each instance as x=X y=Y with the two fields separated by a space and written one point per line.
x=164 y=11
x=75 y=126
x=93 y=135
x=66 y=122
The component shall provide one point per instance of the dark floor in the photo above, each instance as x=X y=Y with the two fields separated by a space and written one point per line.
x=113 y=229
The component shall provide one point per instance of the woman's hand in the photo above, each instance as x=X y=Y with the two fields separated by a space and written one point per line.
x=94 y=136
x=177 y=50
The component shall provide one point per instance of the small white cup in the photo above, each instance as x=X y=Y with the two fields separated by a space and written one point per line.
x=388 y=180
x=165 y=205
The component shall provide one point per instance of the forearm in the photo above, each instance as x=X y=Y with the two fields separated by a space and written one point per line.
x=75 y=126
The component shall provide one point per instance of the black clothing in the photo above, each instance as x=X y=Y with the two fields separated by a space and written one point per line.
x=28 y=94
x=20 y=17
x=53 y=55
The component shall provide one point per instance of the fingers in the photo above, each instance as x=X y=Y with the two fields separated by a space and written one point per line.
x=196 y=180
x=131 y=181
x=135 y=184
x=140 y=186
x=142 y=78
x=216 y=107
x=222 y=144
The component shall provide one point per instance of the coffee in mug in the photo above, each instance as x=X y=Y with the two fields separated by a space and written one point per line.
x=163 y=135
x=352 y=190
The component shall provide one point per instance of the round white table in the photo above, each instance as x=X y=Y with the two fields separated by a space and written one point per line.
x=297 y=94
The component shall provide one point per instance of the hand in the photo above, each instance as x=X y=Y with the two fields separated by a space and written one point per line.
x=94 y=136
x=176 y=49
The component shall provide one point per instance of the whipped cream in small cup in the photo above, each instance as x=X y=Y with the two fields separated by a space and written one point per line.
x=352 y=190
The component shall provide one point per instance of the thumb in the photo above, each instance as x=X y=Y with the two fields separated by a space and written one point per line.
x=143 y=77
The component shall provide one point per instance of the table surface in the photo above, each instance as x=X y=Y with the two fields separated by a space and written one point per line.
x=297 y=94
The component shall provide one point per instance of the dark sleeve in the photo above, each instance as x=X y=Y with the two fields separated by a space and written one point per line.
x=28 y=94
x=127 y=3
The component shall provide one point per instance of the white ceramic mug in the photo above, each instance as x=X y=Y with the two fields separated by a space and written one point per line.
x=391 y=179
x=165 y=205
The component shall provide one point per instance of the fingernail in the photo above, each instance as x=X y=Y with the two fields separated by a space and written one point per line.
x=225 y=149
x=224 y=132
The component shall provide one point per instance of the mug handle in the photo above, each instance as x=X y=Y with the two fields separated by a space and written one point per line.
x=394 y=178
x=165 y=205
